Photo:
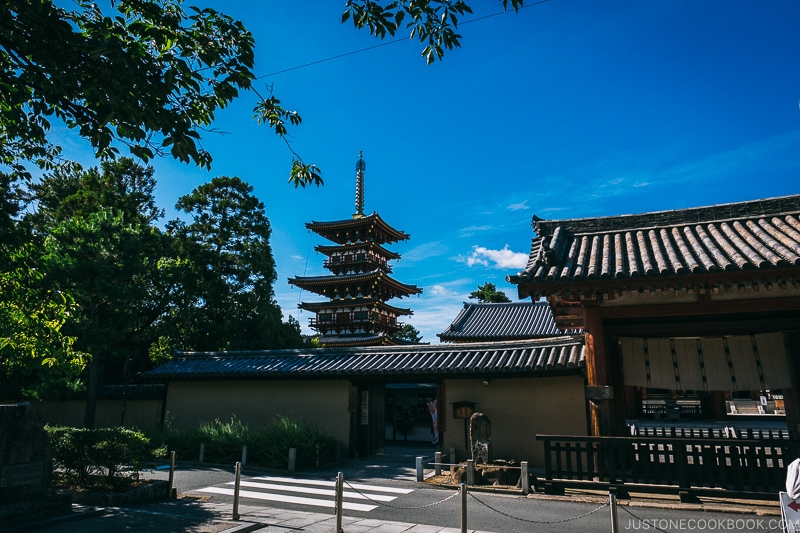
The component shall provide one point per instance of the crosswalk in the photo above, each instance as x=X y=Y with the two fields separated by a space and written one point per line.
x=313 y=492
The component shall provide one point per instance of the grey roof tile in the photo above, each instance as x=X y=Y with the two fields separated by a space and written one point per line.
x=525 y=357
x=479 y=322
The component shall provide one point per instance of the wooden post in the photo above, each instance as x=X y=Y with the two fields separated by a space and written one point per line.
x=463 y=508
x=237 y=484
x=596 y=369
x=339 y=497
x=171 y=471
x=525 y=478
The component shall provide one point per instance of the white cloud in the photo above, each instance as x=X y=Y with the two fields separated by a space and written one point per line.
x=519 y=206
x=504 y=258
x=471 y=230
x=440 y=290
x=424 y=251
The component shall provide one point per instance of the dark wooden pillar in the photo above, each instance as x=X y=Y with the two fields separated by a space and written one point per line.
x=791 y=397
x=597 y=369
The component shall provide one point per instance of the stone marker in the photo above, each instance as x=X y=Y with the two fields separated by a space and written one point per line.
x=480 y=438
x=25 y=461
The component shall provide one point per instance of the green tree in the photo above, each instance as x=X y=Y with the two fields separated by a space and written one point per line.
x=408 y=334
x=101 y=246
x=433 y=22
x=488 y=293
x=227 y=299
x=146 y=74
x=36 y=359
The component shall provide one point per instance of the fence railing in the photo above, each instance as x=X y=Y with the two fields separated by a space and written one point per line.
x=687 y=466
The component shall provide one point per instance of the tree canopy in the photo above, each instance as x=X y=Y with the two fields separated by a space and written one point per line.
x=488 y=293
x=408 y=334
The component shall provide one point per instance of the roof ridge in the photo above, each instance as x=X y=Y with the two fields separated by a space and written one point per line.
x=694 y=215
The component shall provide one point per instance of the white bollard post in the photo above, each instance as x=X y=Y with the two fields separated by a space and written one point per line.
x=292 y=459
x=244 y=455
x=339 y=497
x=202 y=451
x=438 y=462
x=470 y=472
x=420 y=475
x=525 y=478
x=238 y=469
x=612 y=500
x=463 y=508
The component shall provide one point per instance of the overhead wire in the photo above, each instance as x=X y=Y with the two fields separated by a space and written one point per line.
x=399 y=39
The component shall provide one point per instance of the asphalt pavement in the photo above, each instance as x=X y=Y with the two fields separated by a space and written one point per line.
x=205 y=505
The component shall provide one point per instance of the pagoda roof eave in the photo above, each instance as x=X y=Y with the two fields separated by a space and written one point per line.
x=311 y=282
x=326 y=228
x=333 y=248
x=316 y=306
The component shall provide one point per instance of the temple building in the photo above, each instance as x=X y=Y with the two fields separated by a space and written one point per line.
x=355 y=312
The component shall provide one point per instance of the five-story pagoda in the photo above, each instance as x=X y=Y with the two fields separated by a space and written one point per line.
x=356 y=313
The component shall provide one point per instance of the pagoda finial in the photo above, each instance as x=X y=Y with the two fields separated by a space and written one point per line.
x=361 y=166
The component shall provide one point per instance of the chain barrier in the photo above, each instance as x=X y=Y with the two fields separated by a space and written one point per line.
x=560 y=521
x=384 y=504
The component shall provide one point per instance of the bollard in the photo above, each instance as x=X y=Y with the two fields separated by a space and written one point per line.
x=244 y=455
x=470 y=472
x=420 y=476
x=202 y=451
x=525 y=478
x=317 y=455
x=338 y=504
x=463 y=508
x=238 y=470
x=171 y=472
x=292 y=459
x=612 y=500
x=438 y=462
x=452 y=456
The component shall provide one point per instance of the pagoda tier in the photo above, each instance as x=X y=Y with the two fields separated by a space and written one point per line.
x=355 y=316
x=375 y=284
x=356 y=258
x=367 y=228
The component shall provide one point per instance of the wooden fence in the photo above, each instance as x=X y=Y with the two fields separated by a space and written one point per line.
x=751 y=468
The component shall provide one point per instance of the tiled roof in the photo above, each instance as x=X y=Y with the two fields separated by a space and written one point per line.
x=514 y=358
x=502 y=321
x=375 y=278
x=746 y=236
x=341 y=231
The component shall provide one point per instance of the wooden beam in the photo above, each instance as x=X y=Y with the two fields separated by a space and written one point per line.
x=701 y=307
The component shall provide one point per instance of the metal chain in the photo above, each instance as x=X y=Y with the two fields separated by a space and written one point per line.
x=400 y=506
x=561 y=521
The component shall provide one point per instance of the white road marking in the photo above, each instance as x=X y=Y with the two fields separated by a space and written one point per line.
x=322 y=483
x=309 y=490
x=268 y=496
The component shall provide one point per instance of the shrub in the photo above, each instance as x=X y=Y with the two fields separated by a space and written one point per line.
x=267 y=446
x=114 y=454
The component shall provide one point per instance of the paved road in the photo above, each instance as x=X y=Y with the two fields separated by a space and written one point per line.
x=389 y=493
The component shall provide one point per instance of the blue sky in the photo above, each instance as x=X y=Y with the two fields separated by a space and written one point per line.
x=566 y=109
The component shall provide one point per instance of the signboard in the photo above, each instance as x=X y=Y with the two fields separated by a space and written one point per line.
x=364 y=408
x=26 y=474
x=790 y=513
